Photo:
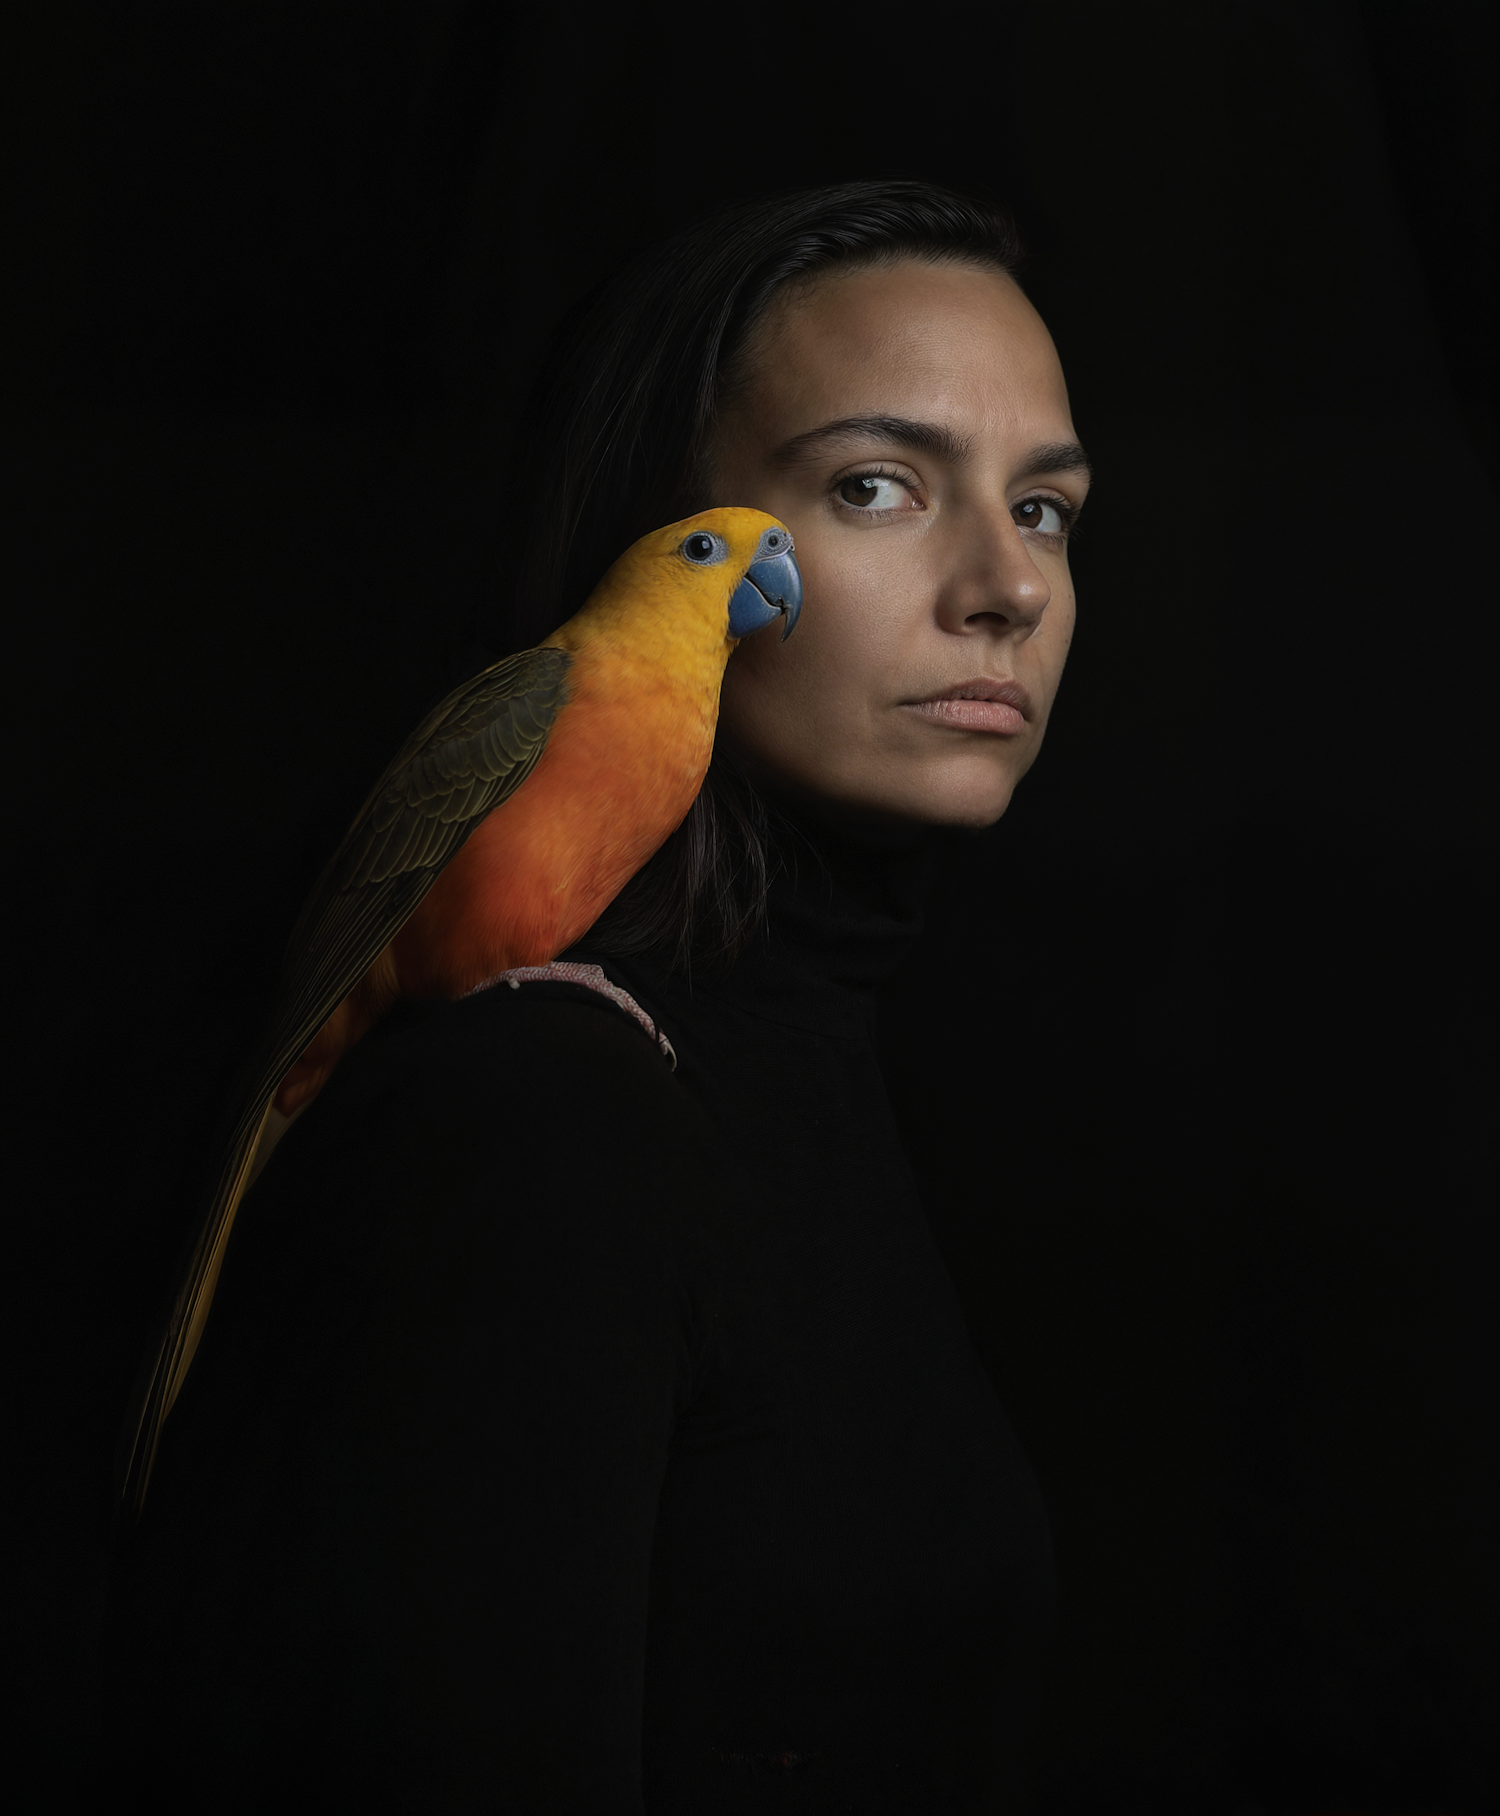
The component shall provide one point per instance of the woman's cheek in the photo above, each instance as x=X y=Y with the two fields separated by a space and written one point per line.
x=755 y=703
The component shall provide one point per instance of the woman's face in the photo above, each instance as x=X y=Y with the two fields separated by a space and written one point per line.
x=910 y=425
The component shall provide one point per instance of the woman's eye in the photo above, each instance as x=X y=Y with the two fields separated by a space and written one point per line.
x=873 y=492
x=1043 y=514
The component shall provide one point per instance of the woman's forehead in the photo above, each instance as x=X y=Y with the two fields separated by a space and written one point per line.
x=913 y=338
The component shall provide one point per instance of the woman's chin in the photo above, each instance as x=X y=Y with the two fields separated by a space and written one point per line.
x=909 y=811
x=891 y=789
x=975 y=815
x=961 y=801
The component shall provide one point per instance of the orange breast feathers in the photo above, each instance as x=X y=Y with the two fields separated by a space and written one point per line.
x=622 y=766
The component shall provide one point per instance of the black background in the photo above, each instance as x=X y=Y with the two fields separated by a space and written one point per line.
x=1193 y=1059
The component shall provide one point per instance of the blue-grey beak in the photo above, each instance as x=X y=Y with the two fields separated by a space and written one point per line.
x=772 y=588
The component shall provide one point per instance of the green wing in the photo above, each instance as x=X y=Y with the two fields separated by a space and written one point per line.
x=469 y=754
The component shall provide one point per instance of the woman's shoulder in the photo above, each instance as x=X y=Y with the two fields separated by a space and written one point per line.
x=460 y=1310
x=520 y=1166
x=537 y=1126
x=548 y=1057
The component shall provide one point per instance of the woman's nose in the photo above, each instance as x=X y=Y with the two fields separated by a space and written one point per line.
x=994 y=582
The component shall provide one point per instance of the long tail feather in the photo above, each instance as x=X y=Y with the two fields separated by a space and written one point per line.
x=303 y=1009
x=179 y=1340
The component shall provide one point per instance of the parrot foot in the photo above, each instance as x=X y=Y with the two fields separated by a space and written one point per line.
x=592 y=978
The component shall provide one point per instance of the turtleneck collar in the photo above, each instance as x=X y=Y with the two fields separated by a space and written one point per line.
x=844 y=908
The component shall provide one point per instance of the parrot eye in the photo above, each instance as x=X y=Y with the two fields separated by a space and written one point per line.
x=704 y=550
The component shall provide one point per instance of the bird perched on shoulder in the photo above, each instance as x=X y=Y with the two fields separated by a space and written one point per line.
x=505 y=825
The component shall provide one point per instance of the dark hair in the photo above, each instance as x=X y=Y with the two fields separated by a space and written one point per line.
x=615 y=442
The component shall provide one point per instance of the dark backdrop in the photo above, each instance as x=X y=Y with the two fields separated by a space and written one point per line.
x=1193 y=1060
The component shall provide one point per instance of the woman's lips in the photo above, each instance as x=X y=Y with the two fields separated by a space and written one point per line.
x=978 y=705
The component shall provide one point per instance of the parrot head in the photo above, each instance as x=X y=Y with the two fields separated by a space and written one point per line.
x=692 y=590
x=770 y=584
x=726 y=573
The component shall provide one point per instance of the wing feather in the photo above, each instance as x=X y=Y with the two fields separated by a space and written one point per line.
x=466 y=757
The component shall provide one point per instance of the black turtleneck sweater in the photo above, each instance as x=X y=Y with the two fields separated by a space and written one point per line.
x=576 y=1434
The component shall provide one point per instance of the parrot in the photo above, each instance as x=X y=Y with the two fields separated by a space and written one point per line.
x=500 y=831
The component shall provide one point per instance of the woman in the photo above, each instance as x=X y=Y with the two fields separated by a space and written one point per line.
x=577 y=1433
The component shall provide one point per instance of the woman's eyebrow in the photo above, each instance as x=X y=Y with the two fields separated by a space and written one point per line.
x=1055 y=457
x=922 y=438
